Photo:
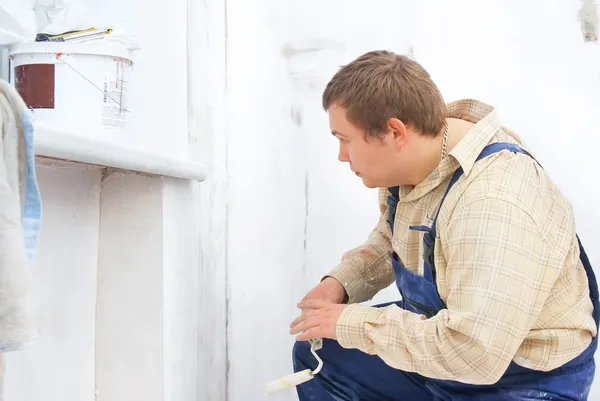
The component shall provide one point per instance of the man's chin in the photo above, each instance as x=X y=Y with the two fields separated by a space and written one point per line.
x=369 y=184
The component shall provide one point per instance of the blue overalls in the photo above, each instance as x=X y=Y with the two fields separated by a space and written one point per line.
x=349 y=374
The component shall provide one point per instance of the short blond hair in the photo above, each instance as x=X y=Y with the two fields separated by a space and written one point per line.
x=380 y=85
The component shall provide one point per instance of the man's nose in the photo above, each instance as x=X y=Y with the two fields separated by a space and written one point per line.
x=343 y=155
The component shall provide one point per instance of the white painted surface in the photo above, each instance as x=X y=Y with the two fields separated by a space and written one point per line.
x=72 y=146
x=209 y=125
x=181 y=291
x=129 y=314
x=61 y=365
x=147 y=304
x=159 y=90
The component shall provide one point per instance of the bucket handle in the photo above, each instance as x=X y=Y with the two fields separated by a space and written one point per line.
x=58 y=56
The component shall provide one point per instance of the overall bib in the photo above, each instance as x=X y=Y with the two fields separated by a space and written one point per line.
x=349 y=374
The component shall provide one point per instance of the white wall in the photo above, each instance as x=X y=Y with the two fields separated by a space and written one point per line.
x=294 y=209
x=61 y=365
x=207 y=85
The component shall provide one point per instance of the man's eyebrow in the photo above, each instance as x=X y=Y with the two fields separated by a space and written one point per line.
x=335 y=133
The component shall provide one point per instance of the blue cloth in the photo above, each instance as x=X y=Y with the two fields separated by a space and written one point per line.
x=32 y=210
x=350 y=374
x=21 y=214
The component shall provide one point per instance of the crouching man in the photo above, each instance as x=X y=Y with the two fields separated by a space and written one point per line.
x=498 y=298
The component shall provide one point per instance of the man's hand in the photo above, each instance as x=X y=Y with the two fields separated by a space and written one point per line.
x=318 y=310
x=329 y=289
x=318 y=319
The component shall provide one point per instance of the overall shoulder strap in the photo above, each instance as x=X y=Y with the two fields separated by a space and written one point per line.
x=392 y=204
x=487 y=151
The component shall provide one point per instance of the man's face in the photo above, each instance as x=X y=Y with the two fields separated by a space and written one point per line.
x=373 y=159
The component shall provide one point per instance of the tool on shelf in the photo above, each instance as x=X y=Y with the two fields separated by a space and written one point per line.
x=82 y=35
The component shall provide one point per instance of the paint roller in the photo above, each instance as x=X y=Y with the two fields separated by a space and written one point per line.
x=298 y=377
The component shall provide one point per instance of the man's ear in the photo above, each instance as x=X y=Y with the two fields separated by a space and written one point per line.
x=398 y=132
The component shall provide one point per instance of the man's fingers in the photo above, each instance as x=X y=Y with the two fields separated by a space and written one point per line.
x=305 y=324
x=315 y=332
x=305 y=314
x=313 y=304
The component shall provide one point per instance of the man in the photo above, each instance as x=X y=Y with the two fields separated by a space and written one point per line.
x=499 y=301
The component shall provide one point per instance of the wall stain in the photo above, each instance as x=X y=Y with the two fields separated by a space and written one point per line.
x=306 y=188
x=291 y=49
x=588 y=19
x=296 y=113
x=288 y=51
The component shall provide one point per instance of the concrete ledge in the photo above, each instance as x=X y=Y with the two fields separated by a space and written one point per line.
x=55 y=144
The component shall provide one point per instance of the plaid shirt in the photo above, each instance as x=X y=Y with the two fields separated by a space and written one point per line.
x=507 y=262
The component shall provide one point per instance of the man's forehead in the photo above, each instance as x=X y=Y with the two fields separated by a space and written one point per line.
x=336 y=110
x=338 y=122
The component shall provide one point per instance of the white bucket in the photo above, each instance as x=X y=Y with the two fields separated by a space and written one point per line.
x=75 y=87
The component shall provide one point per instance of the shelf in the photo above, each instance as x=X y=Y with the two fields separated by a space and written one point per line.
x=69 y=147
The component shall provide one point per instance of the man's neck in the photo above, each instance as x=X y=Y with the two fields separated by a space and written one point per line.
x=431 y=154
x=457 y=129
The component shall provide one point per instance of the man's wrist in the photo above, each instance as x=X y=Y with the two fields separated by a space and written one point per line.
x=345 y=297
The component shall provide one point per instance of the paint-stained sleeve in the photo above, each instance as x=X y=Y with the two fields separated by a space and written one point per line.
x=367 y=269
x=500 y=271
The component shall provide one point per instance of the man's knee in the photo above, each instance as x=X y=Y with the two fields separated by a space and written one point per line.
x=302 y=357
